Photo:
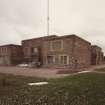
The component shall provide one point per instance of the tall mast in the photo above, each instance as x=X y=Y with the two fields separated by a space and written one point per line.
x=48 y=18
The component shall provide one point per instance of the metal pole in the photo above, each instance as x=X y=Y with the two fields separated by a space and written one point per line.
x=48 y=18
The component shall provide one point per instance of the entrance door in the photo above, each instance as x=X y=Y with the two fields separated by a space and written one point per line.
x=36 y=54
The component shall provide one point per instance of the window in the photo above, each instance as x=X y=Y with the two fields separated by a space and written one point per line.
x=50 y=59
x=34 y=50
x=64 y=59
x=56 y=45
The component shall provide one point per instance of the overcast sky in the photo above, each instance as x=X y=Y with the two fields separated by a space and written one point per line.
x=22 y=19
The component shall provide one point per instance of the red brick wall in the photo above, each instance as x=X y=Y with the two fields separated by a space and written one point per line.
x=67 y=50
x=11 y=54
x=97 y=56
x=82 y=52
x=34 y=43
x=16 y=54
x=76 y=48
x=27 y=45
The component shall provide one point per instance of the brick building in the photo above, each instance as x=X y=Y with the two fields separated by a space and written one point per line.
x=69 y=51
x=58 y=51
x=32 y=49
x=97 y=56
x=10 y=54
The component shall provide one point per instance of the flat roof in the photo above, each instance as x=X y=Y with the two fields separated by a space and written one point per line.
x=55 y=37
x=96 y=46
x=69 y=36
x=43 y=37
x=7 y=45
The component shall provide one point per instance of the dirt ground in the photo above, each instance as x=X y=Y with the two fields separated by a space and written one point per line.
x=41 y=72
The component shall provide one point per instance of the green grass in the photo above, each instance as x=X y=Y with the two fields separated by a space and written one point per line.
x=81 y=89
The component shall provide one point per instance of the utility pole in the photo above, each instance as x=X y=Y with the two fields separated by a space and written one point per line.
x=48 y=18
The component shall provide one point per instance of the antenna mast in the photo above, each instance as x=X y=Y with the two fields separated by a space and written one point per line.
x=48 y=18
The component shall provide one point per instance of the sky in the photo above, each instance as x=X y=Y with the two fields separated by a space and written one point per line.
x=23 y=19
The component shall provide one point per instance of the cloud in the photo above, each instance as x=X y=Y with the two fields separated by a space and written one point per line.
x=23 y=18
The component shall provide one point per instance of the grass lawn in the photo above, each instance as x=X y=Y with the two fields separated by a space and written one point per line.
x=81 y=89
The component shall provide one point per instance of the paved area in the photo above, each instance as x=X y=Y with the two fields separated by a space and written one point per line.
x=48 y=73
x=34 y=72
